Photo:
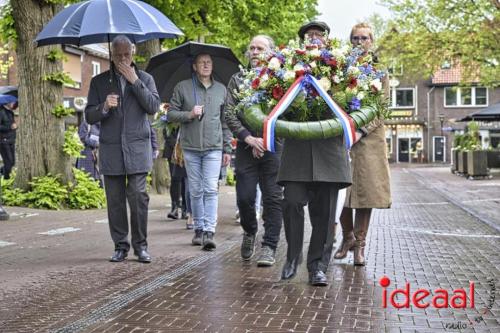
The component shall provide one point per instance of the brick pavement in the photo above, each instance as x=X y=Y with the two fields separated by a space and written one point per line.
x=424 y=239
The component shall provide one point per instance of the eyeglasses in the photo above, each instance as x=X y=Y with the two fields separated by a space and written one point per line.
x=363 y=38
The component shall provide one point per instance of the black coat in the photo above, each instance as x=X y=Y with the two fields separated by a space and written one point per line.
x=324 y=160
x=125 y=138
x=7 y=134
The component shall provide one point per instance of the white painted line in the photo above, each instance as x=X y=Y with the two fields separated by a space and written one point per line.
x=442 y=233
x=59 y=231
x=152 y=210
x=481 y=200
x=103 y=221
x=4 y=243
x=422 y=203
x=22 y=214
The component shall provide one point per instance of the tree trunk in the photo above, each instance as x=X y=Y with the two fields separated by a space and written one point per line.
x=160 y=175
x=40 y=137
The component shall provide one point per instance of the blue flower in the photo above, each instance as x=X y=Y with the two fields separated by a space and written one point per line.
x=355 y=104
x=366 y=69
x=164 y=118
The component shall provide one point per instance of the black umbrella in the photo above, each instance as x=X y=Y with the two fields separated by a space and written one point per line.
x=490 y=113
x=170 y=67
x=8 y=90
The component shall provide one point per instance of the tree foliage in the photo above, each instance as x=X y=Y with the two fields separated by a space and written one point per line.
x=426 y=33
x=234 y=23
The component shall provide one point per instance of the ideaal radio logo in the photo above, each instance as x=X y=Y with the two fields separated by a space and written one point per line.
x=462 y=298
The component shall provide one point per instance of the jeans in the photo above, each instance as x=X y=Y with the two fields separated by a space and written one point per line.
x=203 y=169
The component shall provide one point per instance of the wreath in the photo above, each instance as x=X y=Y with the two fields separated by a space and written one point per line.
x=318 y=89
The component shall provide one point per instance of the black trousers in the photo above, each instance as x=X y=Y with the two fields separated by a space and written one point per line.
x=131 y=188
x=321 y=198
x=8 y=153
x=264 y=171
x=177 y=188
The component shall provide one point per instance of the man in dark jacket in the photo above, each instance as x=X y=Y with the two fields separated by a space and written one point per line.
x=312 y=172
x=8 y=128
x=125 y=154
x=255 y=166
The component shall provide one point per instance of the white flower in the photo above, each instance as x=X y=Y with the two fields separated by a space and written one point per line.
x=298 y=67
x=361 y=95
x=353 y=70
x=377 y=84
x=274 y=64
x=289 y=76
x=315 y=53
x=336 y=79
x=325 y=83
x=313 y=64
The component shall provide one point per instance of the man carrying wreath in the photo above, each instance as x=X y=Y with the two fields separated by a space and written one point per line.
x=312 y=172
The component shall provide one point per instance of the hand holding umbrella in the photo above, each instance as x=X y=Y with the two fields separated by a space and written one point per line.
x=197 y=111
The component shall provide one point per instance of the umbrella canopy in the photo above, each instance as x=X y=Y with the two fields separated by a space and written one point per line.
x=98 y=21
x=8 y=90
x=170 y=67
x=6 y=99
x=490 y=113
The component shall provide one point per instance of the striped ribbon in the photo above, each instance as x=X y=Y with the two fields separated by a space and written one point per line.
x=287 y=99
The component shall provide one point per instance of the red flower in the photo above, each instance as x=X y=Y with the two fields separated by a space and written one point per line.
x=332 y=63
x=353 y=83
x=278 y=92
x=301 y=52
x=299 y=73
x=263 y=71
x=282 y=46
x=255 y=83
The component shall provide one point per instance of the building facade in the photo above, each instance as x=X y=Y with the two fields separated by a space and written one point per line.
x=82 y=63
x=426 y=114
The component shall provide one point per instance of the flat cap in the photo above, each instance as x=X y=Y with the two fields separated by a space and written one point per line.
x=313 y=24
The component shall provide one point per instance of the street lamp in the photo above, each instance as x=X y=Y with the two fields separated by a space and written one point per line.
x=441 y=120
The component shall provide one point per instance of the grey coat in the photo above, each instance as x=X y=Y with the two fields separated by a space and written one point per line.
x=125 y=140
x=209 y=133
x=324 y=160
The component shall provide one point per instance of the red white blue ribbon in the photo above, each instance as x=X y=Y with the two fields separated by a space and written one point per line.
x=287 y=99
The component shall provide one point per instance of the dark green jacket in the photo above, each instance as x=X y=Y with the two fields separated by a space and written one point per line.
x=209 y=133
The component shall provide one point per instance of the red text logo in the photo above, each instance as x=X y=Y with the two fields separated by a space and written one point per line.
x=423 y=298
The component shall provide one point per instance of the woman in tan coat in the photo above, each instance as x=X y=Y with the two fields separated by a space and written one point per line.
x=370 y=179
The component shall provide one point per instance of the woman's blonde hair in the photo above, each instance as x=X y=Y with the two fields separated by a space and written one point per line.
x=362 y=25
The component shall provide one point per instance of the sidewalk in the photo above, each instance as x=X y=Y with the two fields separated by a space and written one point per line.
x=425 y=239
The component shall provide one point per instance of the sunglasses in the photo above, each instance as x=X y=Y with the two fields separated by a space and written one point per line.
x=363 y=38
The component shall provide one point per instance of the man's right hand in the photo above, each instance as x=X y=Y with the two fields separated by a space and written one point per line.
x=196 y=112
x=111 y=101
x=256 y=143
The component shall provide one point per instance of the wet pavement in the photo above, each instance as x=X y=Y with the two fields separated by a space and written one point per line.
x=440 y=233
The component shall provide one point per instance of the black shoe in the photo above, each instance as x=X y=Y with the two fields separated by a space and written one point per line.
x=184 y=215
x=208 y=241
x=290 y=268
x=318 y=278
x=143 y=256
x=197 y=239
x=267 y=257
x=118 y=256
x=247 y=246
x=174 y=214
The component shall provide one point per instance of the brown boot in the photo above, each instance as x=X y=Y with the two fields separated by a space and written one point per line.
x=360 y=231
x=347 y=234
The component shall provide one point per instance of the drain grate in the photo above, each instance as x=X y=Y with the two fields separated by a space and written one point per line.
x=120 y=302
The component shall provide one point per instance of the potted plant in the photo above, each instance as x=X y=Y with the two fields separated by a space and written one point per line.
x=477 y=158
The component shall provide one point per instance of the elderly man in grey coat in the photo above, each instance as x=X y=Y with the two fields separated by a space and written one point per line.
x=312 y=172
x=121 y=101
